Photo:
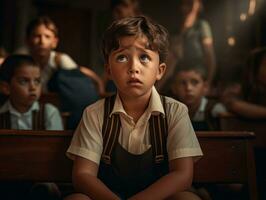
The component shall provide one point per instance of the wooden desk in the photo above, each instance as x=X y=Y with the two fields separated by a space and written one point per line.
x=40 y=156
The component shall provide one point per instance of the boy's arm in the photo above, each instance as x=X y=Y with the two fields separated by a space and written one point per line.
x=85 y=180
x=91 y=74
x=178 y=179
x=246 y=109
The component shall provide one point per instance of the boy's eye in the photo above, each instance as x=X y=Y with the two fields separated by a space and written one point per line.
x=194 y=82
x=37 y=81
x=144 y=58
x=22 y=81
x=121 y=58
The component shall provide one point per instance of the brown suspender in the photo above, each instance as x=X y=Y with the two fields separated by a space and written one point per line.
x=111 y=128
x=38 y=122
x=158 y=134
x=5 y=122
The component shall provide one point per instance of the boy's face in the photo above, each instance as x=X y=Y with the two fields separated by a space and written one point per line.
x=189 y=87
x=134 y=67
x=25 y=87
x=42 y=40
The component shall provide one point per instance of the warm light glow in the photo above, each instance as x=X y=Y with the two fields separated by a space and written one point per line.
x=252 y=7
x=231 y=41
x=243 y=17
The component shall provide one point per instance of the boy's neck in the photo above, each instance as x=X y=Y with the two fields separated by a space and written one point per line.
x=135 y=107
x=42 y=60
x=19 y=108
x=192 y=109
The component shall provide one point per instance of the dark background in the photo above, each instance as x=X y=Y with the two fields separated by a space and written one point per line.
x=81 y=23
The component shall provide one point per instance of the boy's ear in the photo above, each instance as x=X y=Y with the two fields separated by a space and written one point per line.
x=107 y=70
x=55 y=42
x=4 y=88
x=206 y=87
x=161 y=71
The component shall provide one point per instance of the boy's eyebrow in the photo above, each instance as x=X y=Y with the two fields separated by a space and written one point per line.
x=122 y=48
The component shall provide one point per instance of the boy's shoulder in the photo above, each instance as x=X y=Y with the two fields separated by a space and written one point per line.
x=96 y=107
x=62 y=59
x=173 y=105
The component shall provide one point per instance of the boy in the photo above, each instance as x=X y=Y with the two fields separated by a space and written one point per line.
x=21 y=82
x=190 y=87
x=42 y=40
x=134 y=165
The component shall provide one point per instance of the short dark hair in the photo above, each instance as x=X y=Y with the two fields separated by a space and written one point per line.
x=192 y=66
x=156 y=34
x=14 y=62
x=41 y=20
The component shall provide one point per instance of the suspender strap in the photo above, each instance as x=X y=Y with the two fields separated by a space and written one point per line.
x=110 y=129
x=38 y=122
x=5 y=121
x=158 y=134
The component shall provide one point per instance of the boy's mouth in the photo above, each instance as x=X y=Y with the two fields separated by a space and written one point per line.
x=33 y=96
x=134 y=81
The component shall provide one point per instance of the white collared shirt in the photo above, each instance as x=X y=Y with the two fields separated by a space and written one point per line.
x=87 y=141
x=200 y=113
x=23 y=121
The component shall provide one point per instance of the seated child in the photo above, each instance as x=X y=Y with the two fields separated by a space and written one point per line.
x=190 y=87
x=135 y=144
x=42 y=39
x=249 y=98
x=21 y=81
x=77 y=86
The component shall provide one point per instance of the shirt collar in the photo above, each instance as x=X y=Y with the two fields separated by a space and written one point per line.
x=203 y=104
x=155 y=106
x=8 y=107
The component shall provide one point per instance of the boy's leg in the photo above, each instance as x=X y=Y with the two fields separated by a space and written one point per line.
x=185 y=196
x=77 y=196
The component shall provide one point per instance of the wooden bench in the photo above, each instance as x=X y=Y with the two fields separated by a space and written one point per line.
x=231 y=122
x=40 y=156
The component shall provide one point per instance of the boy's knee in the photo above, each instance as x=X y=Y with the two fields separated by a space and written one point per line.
x=77 y=196
x=185 y=196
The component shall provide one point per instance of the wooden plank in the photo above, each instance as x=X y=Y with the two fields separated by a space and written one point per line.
x=40 y=156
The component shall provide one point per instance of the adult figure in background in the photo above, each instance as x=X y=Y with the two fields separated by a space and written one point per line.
x=192 y=41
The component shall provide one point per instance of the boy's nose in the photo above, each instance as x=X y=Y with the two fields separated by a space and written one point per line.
x=32 y=86
x=134 y=68
x=133 y=71
x=189 y=86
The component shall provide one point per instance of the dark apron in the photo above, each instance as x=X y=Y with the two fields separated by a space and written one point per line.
x=129 y=174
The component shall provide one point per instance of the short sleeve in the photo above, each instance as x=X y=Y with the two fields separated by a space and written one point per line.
x=217 y=109
x=66 y=62
x=53 y=120
x=181 y=140
x=87 y=139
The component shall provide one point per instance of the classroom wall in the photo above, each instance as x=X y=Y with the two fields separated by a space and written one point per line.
x=81 y=23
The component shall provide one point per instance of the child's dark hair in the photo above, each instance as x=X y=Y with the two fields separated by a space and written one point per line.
x=13 y=62
x=250 y=83
x=156 y=34
x=42 y=20
x=192 y=66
